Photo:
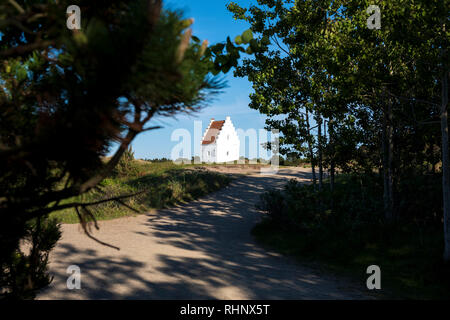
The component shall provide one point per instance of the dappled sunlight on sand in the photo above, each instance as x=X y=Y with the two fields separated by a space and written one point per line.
x=199 y=250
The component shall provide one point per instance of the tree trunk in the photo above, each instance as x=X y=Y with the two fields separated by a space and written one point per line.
x=391 y=157
x=387 y=145
x=445 y=166
x=332 y=164
x=325 y=143
x=311 y=152
x=319 y=148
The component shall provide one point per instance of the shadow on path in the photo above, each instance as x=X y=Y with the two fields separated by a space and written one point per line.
x=200 y=250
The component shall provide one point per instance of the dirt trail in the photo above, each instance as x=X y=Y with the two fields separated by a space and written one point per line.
x=200 y=250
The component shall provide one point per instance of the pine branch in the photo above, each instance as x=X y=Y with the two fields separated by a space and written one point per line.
x=25 y=49
x=413 y=99
x=85 y=226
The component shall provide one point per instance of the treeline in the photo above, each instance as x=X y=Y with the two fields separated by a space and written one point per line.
x=354 y=98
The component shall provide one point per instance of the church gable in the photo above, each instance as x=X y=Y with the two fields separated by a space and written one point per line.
x=212 y=132
x=220 y=143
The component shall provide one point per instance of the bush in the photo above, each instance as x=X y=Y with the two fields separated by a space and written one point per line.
x=346 y=230
x=273 y=202
x=126 y=166
x=419 y=198
x=24 y=272
x=352 y=205
x=292 y=159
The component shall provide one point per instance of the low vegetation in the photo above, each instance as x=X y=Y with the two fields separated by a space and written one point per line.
x=164 y=183
x=346 y=231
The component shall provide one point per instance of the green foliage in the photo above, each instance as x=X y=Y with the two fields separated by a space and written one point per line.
x=315 y=66
x=292 y=159
x=164 y=182
x=126 y=166
x=345 y=230
x=319 y=58
x=24 y=272
x=354 y=202
x=247 y=36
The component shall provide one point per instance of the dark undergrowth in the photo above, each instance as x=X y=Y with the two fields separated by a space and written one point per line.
x=346 y=232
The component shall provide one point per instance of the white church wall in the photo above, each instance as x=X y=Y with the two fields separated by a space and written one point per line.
x=209 y=153
x=227 y=143
x=225 y=147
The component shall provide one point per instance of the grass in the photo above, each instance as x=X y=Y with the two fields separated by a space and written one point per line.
x=409 y=255
x=165 y=184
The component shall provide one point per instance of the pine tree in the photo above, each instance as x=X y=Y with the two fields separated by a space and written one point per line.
x=67 y=95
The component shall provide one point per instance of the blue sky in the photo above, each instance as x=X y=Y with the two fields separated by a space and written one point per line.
x=214 y=23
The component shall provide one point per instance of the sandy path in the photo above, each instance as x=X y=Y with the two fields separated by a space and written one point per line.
x=201 y=250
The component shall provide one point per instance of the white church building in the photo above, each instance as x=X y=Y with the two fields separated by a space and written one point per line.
x=220 y=143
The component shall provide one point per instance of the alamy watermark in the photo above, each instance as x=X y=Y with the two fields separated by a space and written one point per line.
x=374 y=21
x=262 y=146
x=73 y=17
x=374 y=281
x=74 y=280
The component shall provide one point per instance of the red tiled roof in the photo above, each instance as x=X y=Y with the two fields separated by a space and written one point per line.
x=213 y=131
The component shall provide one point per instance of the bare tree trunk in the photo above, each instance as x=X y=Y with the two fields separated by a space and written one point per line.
x=390 y=158
x=332 y=164
x=319 y=148
x=311 y=151
x=445 y=166
x=325 y=143
x=385 y=163
x=387 y=145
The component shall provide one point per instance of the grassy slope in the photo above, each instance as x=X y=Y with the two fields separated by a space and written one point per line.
x=165 y=183
x=410 y=257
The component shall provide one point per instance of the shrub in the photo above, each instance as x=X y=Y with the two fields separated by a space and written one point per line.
x=351 y=206
x=346 y=230
x=25 y=271
x=126 y=166
x=273 y=202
